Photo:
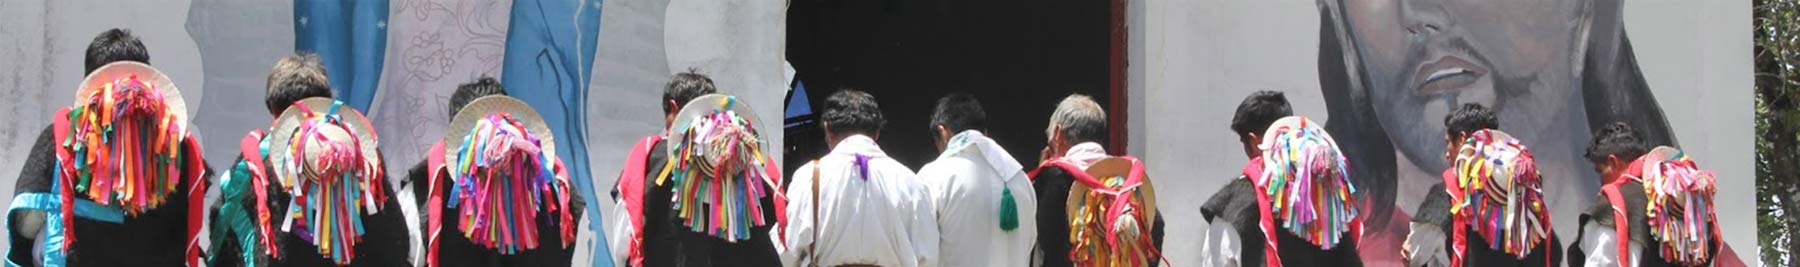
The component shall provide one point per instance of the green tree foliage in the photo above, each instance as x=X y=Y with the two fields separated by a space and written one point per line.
x=1777 y=40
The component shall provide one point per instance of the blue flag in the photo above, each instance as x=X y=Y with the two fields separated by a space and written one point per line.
x=351 y=38
x=549 y=53
x=797 y=106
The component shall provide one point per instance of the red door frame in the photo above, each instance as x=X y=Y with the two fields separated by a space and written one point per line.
x=1118 y=119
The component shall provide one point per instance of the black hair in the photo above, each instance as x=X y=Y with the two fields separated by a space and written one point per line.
x=114 y=45
x=1469 y=118
x=852 y=111
x=468 y=92
x=684 y=87
x=295 y=77
x=1258 y=111
x=1619 y=140
x=959 y=112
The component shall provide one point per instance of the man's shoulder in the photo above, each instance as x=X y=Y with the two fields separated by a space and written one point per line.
x=945 y=166
x=1230 y=200
x=889 y=165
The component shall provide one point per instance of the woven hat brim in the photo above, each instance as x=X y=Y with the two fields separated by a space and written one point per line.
x=1111 y=167
x=122 y=69
x=291 y=118
x=706 y=105
x=467 y=117
x=1280 y=126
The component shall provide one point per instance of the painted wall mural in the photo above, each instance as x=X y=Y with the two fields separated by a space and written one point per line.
x=1383 y=74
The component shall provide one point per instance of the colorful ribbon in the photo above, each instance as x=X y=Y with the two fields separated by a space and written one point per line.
x=1302 y=179
x=717 y=173
x=1680 y=209
x=123 y=147
x=247 y=182
x=504 y=181
x=1306 y=182
x=1111 y=227
x=1497 y=190
x=341 y=185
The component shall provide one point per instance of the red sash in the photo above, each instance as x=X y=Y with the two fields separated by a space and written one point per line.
x=196 y=200
x=434 y=203
x=1621 y=221
x=251 y=148
x=631 y=192
x=1066 y=165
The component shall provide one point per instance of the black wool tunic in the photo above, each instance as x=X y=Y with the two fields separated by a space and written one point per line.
x=1436 y=211
x=1236 y=204
x=384 y=241
x=455 y=250
x=154 y=238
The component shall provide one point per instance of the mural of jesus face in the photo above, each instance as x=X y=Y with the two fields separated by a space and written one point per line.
x=1390 y=70
x=1423 y=58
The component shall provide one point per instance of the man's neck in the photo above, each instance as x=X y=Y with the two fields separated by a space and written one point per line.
x=1085 y=154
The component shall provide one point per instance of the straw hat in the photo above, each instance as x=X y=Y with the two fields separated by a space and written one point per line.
x=125 y=69
x=1660 y=154
x=1116 y=167
x=290 y=120
x=1280 y=126
x=1468 y=152
x=479 y=109
x=702 y=106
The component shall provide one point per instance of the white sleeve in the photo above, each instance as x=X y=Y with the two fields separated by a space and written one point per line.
x=1220 y=246
x=795 y=243
x=924 y=228
x=1601 y=246
x=620 y=239
x=1426 y=243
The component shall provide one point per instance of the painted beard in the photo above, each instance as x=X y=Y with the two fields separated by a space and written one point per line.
x=1412 y=104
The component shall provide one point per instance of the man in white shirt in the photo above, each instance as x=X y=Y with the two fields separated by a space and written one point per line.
x=979 y=190
x=869 y=209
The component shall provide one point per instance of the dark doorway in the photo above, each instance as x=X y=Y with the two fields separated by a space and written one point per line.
x=1019 y=57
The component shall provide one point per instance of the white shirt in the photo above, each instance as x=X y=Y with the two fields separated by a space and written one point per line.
x=1086 y=154
x=1602 y=246
x=884 y=219
x=1427 y=245
x=966 y=183
x=1220 y=246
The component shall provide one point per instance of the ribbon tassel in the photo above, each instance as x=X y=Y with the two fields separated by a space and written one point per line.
x=503 y=181
x=717 y=172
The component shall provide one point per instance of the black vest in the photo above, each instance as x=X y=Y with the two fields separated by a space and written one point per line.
x=1236 y=204
x=155 y=238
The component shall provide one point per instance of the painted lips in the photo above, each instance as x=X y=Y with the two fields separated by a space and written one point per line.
x=1445 y=74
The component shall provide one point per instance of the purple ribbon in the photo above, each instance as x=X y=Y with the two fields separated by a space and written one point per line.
x=862 y=166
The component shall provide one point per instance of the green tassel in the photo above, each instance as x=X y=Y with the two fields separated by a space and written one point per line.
x=1009 y=210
